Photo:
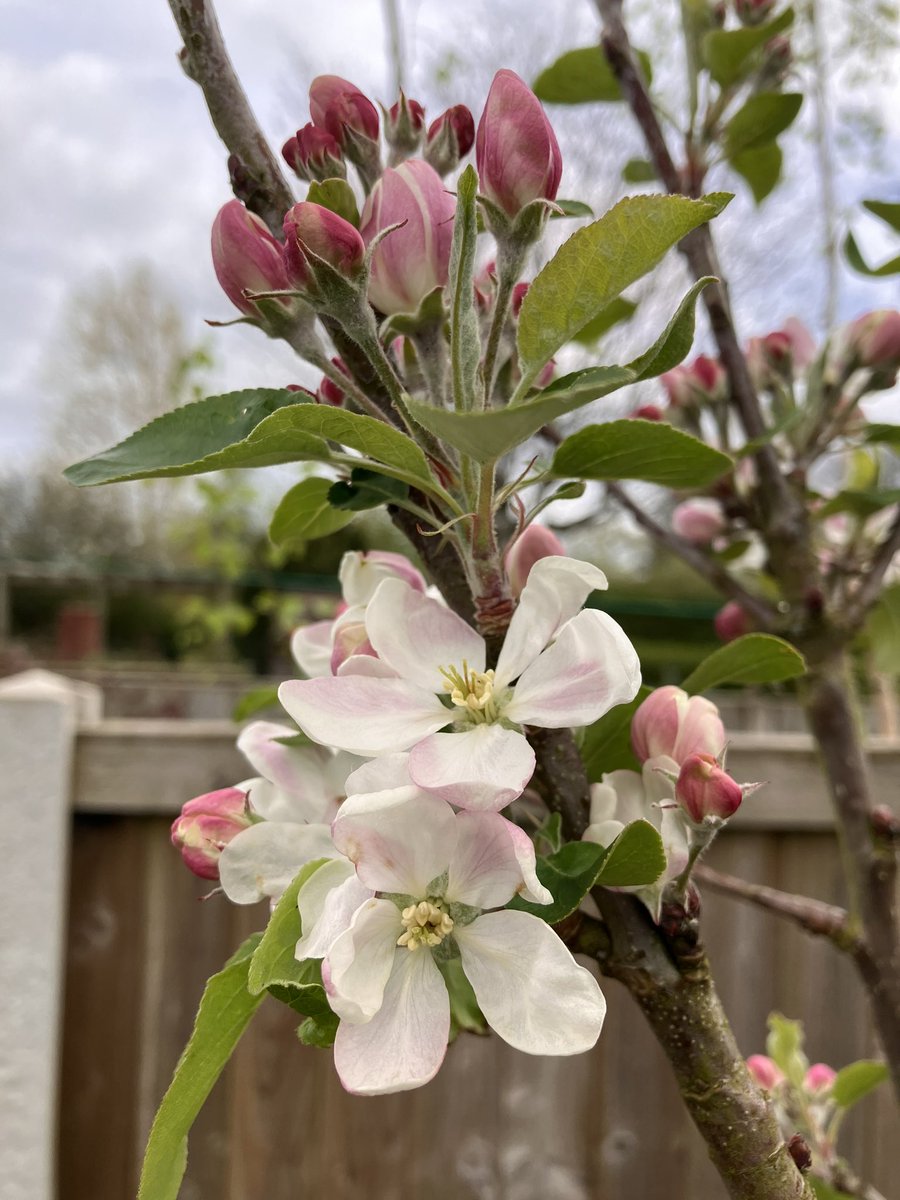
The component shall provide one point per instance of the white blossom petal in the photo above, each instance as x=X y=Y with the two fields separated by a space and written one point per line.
x=493 y=860
x=398 y=843
x=556 y=590
x=591 y=667
x=361 y=572
x=263 y=859
x=379 y=775
x=403 y=1046
x=483 y=768
x=327 y=902
x=311 y=648
x=528 y=985
x=299 y=773
x=417 y=636
x=359 y=962
x=363 y=715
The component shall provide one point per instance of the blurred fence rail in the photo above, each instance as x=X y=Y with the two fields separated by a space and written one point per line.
x=133 y=945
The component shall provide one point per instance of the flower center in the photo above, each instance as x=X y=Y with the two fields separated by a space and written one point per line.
x=424 y=924
x=472 y=691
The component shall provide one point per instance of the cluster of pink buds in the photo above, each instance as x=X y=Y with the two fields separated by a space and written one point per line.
x=781 y=354
x=703 y=382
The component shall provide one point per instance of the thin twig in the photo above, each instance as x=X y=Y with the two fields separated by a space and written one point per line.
x=870 y=588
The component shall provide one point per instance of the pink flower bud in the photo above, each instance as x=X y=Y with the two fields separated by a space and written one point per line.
x=245 y=256
x=314 y=154
x=766 y=1073
x=703 y=381
x=311 y=228
x=753 y=12
x=672 y=723
x=731 y=622
x=328 y=391
x=339 y=106
x=875 y=338
x=450 y=138
x=207 y=824
x=519 y=292
x=704 y=790
x=709 y=375
x=699 y=521
x=411 y=261
x=348 y=638
x=404 y=126
x=536 y=542
x=517 y=153
x=780 y=353
x=649 y=412
x=819 y=1077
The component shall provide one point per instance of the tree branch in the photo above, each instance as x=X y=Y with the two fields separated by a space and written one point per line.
x=764 y=614
x=262 y=186
x=870 y=588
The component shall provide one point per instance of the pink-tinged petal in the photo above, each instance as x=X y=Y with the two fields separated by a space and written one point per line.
x=327 y=903
x=483 y=768
x=556 y=590
x=403 y=1046
x=365 y=664
x=528 y=985
x=361 y=572
x=379 y=775
x=417 y=635
x=311 y=648
x=262 y=860
x=591 y=667
x=398 y=844
x=298 y=772
x=363 y=715
x=359 y=962
x=493 y=861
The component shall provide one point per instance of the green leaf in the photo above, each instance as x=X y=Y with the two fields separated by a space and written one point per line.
x=606 y=745
x=582 y=77
x=464 y=1011
x=883 y=631
x=760 y=166
x=639 y=170
x=255 y=701
x=595 y=266
x=887 y=434
x=224 y=1013
x=862 y=502
x=761 y=119
x=885 y=211
x=824 y=1191
x=366 y=489
x=615 y=313
x=319 y=1031
x=569 y=875
x=304 y=513
x=858 y=263
x=635 y=859
x=336 y=195
x=571 y=208
x=784 y=1045
x=754 y=658
x=856 y=1080
x=631 y=448
x=275 y=970
x=197 y=437
x=728 y=53
x=465 y=343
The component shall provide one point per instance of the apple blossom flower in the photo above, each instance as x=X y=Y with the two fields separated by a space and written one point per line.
x=340 y=107
x=766 y=1073
x=205 y=827
x=413 y=260
x=558 y=667
x=450 y=138
x=360 y=572
x=436 y=883
x=705 y=791
x=625 y=796
x=699 y=520
x=313 y=232
x=245 y=256
x=516 y=150
x=535 y=542
x=672 y=724
x=295 y=799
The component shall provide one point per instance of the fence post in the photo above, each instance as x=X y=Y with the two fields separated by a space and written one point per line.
x=39 y=717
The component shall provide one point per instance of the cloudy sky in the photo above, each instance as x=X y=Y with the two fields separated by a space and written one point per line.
x=108 y=156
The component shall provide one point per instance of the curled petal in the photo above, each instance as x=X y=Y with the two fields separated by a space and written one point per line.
x=311 y=648
x=360 y=960
x=528 y=985
x=327 y=903
x=483 y=768
x=361 y=572
x=262 y=860
x=298 y=772
x=493 y=861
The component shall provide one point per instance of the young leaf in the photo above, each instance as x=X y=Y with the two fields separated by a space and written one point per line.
x=883 y=630
x=255 y=701
x=727 y=53
x=635 y=859
x=885 y=211
x=569 y=874
x=784 y=1046
x=319 y=1031
x=854 y=257
x=225 y=1011
x=465 y=344
x=366 y=489
x=582 y=77
x=639 y=170
x=570 y=208
x=606 y=745
x=754 y=658
x=597 y=263
x=761 y=119
x=856 y=1080
x=760 y=166
x=862 y=502
x=653 y=451
x=197 y=437
x=336 y=195
x=304 y=513
x=616 y=313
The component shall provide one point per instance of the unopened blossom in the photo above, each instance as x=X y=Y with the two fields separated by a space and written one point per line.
x=434 y=884
x=313 y=232
x=313 y=153
x=699 y=520
x=205 y=827
x=404 y=126
x=245 y=256
x=672 y=724
x=410 y=262
x=780 y=354
x=648 y=412
x=875 y=339
x=516 y=150
x=753 y=12
x=705 y=791
x=625 y=796
x=819 y=1078
x=766 y=1072
x=294 y=798
x=328 y=392
x=702 y=382
x=534 y=543
x=450 y=138
x=559 y=667
x=360 y=572
x=731 y=622
x=342 y=109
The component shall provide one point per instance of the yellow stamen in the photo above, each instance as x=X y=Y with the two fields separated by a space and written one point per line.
x=424 y=924
x=473 y=691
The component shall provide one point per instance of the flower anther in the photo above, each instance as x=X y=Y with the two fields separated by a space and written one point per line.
x=425 y=924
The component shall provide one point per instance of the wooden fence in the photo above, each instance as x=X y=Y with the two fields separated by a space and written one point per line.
x=126 y=934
